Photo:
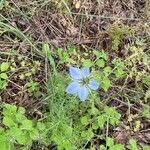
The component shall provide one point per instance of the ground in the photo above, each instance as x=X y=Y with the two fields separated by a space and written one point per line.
x=121 y=28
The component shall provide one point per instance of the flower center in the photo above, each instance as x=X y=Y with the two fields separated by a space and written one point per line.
x=85 y=81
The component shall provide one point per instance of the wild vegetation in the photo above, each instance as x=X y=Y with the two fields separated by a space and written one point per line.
x=75 y=75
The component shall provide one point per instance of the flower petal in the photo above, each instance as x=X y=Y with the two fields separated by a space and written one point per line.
x=93 y=84
x=85 y=71
x=73 y=88
x=75 y=73
x=83 y=93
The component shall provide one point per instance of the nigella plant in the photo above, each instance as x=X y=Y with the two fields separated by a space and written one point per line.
x=82 y=82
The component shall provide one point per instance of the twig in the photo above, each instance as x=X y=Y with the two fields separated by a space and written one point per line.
x=134 y=108
x=106 y=17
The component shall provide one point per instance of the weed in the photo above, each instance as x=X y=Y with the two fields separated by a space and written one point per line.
x=29 y=29
x=4 y=67
x=117 y=33
x=67 y=126
x=18 y=129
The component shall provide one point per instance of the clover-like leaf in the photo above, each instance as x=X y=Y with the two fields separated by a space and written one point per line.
x=4 y=66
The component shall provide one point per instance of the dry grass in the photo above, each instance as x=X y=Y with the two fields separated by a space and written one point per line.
x=25 y=26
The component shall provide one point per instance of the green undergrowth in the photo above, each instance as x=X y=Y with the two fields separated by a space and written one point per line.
x=68 y=123
x=39 y=74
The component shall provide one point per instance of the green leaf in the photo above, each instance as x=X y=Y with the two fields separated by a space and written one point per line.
x=20 y=117
x=100 y=63
x=34 y=134
x=102 y=147
x=5 y=145
x=90 y=134
x=95 y=125
x=24 y=138
x=146 y=147
x=27 y=124
x=119 y=73
x=106 y=83
x=8 y=122
x=9 y=110
x=67 y=145
x=67 y=130
x=101 y=54
x=146 y=111
x=14 y=133
x=112 y=115
x=101 y=120
x=47 y=52
x=46 y=49
x=41 y=126
x=3 y=84
x=147 y=80
x=107 y=70
x=4 y=66
x=96 y=75
x=63 y=55
x=94 y=111
x=109 y=142
x=87 y=63
x=147 y=95
x=97 y=53
x=117 y=147
x=83 y=134
x=84 y=120
x=118 y=62
x=3 y=76
x=133 y=144
x=21 y=110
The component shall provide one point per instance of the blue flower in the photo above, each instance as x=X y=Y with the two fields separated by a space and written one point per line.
x=82 y=82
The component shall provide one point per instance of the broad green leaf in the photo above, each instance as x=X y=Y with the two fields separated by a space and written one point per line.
x=119 y=73
x=24 y=138
x=8 y=122
x=34 y=134
x=107 y=70
x=95 y=125
x=106 y=83
x=101 y=120
x=21 y=110
x=109 y=142
x=146 y=147
x=102 y=147
x=90 y=134
x=20 y=117
x=133 y=144
x=5 y=145
x=101 y=54
x=9 y=110
x=84 y=120
x=87 y=63
x=14 y=133
x=3 y=84
x=117 y=147
x=27 y=125
x=94 y=111
x=3 y=76
x=4 y=66
x=100 y=63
